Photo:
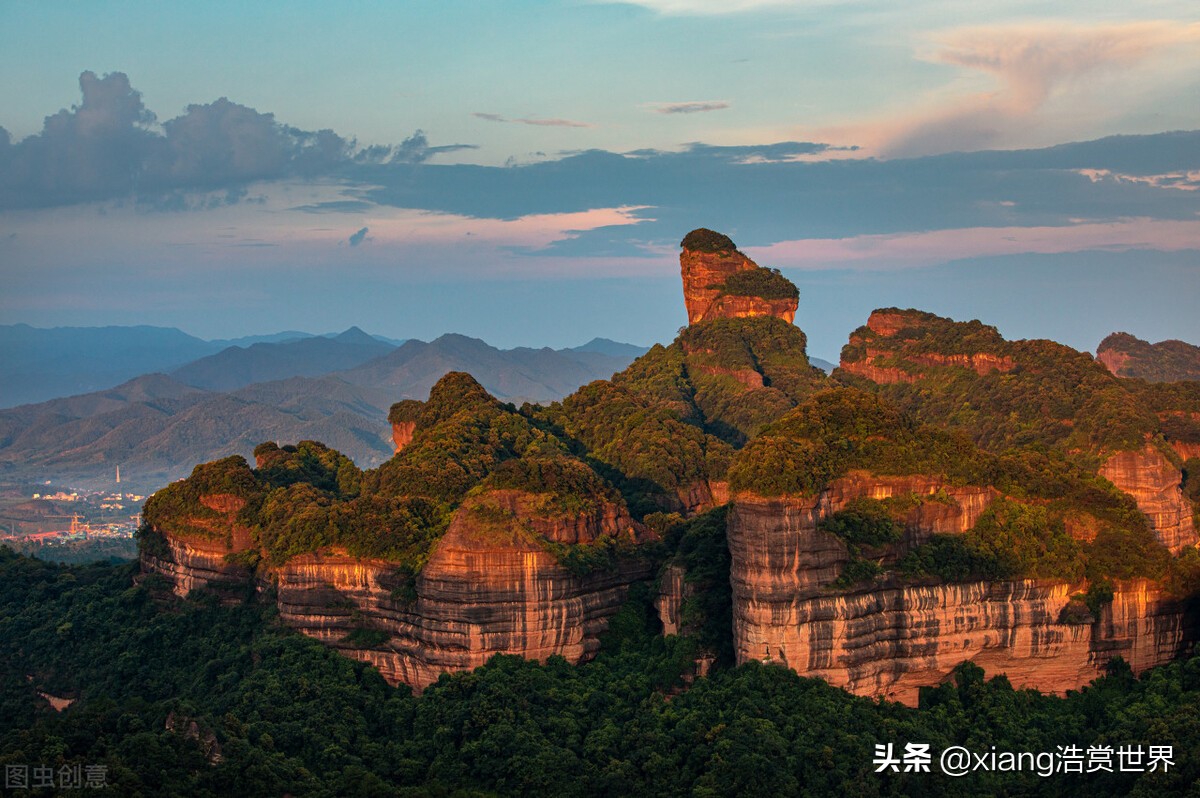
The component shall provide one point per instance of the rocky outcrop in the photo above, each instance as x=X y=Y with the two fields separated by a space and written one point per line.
x=489 y=588
x=1166 y=361
x=779 y=539
x=194 y=564
x=707 y=269
x=1112 y=359
x=1150 y=478
x=979 y=362
x=701 y=496
x=888 y=638
x=1186 y=449
x=210 y=561
x=865 y=359
x=496 y=583
x=402 y=433
x=891 y=640
x=673 y=591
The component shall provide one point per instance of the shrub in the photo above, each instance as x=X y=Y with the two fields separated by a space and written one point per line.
x=704 y=240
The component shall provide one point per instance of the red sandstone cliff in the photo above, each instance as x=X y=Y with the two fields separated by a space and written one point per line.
x=208 y=560
x=1154 y=483
x=889 y=639
x=402 y=433
x=1166 y=361
x=875 y=362
x=705 y=273
x=492 y=585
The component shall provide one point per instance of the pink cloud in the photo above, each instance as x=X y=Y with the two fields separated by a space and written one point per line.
x=1047 y=77
x=914 y=250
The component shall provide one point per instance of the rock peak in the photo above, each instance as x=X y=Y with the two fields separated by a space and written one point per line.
x=719 y=281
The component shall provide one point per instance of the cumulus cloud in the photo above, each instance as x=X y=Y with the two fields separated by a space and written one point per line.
x=694 y=107
x=108 y=146
x=358 y=237
x=1038 y=69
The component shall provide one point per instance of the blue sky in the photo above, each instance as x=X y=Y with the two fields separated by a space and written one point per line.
x=524 y=171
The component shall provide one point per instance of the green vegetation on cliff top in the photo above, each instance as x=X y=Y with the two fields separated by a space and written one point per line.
x=704 y=240
x=842 y=430
x=760 y=282
x=1047 y=395
x=308 y=497
x=669 y=426
x=1166 y=361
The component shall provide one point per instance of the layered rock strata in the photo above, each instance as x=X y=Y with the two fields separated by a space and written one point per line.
x=889 y=639
x=704 y=275
x=875 y=363
x=206 y=561
x=490 y=587
x=1155 y=484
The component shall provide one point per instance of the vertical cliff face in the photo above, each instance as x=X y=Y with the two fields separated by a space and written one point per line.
x=673 y=591
x=889 y=639
x=1154 y=483
x=721 y=282
x=194 y=564
x=208 y=558
x=492 y=586
x=402 y=433
x=778 y=549
x=510 y=576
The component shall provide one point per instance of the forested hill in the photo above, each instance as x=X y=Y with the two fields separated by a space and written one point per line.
x=193 y=699
x=1166 y=361
x=155 y=427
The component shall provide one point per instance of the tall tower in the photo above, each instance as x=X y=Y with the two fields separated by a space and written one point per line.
x=118 y=475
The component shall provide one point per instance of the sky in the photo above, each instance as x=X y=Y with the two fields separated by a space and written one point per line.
x=523 y=172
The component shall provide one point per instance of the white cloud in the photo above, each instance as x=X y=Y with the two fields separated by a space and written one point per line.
x=914 y=250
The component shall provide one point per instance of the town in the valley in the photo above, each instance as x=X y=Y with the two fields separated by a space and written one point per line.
x=62 y=522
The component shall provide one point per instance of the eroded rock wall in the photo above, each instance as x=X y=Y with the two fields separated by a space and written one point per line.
x=889 y=639
x=1151 y=479
x=704 y=273
x=488 y=588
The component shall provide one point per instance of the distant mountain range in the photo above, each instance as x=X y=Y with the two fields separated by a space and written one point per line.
x=823 y=365
x=236 y=366
x=334 y=389
x=40 y=364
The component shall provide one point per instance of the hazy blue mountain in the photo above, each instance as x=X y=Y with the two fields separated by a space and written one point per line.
x=157 y=426
x=38 y=364
x=521 y=374
x=237 y=366
x=823 y=365
x=273 y=338
x=605 y=346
